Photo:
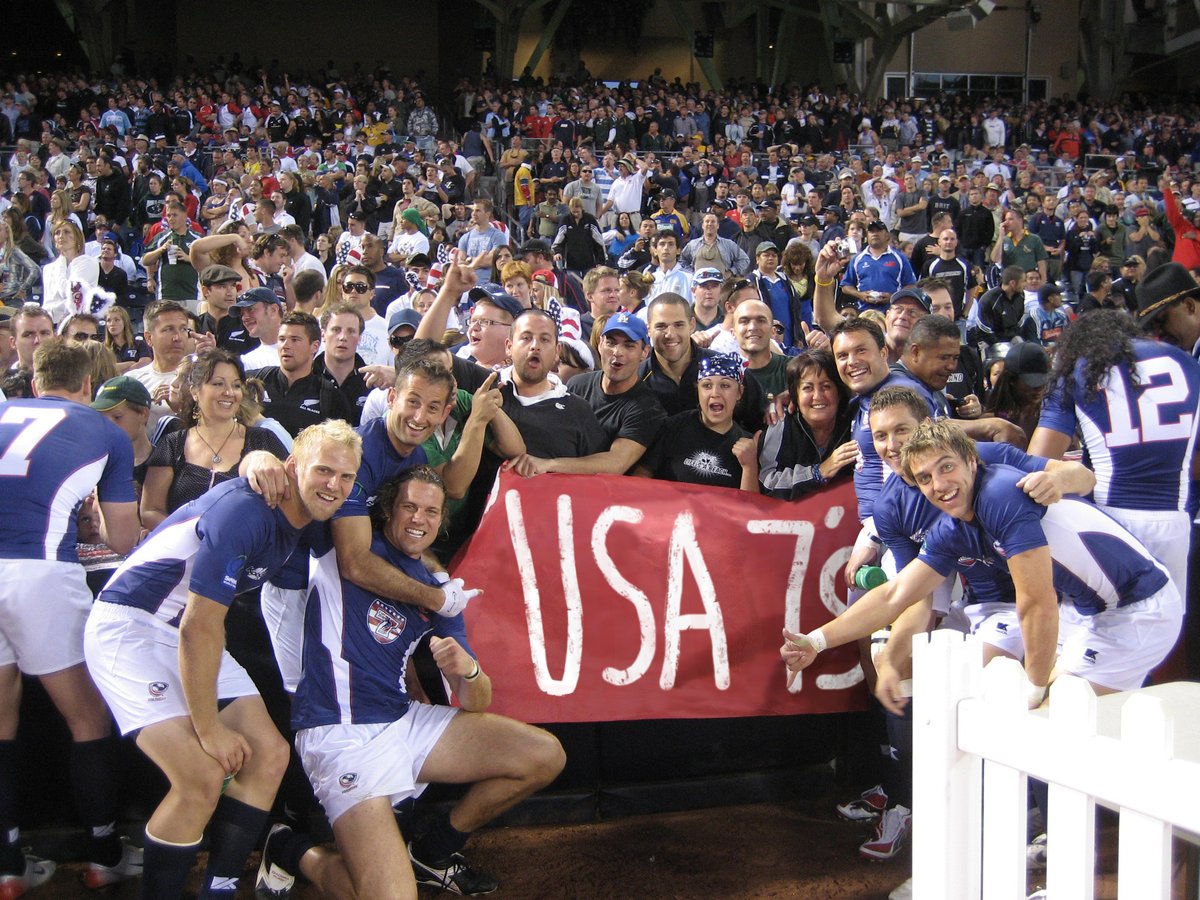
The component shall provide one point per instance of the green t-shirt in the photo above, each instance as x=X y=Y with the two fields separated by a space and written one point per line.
x=176 y=280
x=773 y=376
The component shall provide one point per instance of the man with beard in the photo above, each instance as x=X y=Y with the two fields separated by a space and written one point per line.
x=627 y=415
x=557 y=426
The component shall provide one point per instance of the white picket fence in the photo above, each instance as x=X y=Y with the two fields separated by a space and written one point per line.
x=975 y=744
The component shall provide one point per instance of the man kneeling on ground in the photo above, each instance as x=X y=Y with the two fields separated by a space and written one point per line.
x=369 y=749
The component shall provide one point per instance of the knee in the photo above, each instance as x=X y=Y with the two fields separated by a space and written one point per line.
x=544 y=758
x=201 y=787
x=275 y=756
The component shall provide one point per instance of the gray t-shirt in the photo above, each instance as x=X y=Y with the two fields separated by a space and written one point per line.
x=915 y=222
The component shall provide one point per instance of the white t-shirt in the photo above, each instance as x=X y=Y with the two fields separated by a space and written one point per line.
x=309 y=263
x=374 y=347
x=261 y=356
x=153 y=379
x=406 y=245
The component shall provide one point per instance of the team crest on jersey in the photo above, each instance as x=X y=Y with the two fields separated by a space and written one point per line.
x=158 y=690
x=1000 y=551
x=348 y=781
x=385 y=621
x=1091 y=656
x=256 y=573
x=233 y=570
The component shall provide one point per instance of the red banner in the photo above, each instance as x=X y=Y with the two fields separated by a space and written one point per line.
x=614 y=598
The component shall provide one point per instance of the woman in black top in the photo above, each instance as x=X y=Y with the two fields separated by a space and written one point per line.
x=704 y=445
x=131 y=351
x=187 y=463
x=812 y=445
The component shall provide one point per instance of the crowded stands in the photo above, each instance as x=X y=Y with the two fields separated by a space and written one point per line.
x=756 y=290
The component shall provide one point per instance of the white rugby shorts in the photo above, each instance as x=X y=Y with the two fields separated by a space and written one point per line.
x=43 y=607
x=134 y=660
x=350 y=764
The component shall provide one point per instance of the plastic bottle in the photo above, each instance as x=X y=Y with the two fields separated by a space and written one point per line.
x=868 y=577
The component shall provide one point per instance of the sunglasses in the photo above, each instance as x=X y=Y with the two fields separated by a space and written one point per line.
x=355 y=287
x=397 y=341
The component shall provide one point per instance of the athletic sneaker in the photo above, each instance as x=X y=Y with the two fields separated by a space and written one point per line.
x=96 y=876
x=890 y=834
x=37 y=871
x=902 y=891
x=273 y=883
x=866 y=807
x=1035 y=853
x=453 y=875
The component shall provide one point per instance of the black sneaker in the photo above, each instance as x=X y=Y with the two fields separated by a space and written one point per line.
x=453 y=875
x=273 y=883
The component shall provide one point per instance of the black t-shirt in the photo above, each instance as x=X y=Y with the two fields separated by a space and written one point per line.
x=354 y=389
x=308 y=401
x=690 y=452
x=555 y=426
x=635 y=415
x=230 y=333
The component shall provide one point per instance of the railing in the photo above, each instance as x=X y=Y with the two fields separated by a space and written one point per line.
x=975 y=745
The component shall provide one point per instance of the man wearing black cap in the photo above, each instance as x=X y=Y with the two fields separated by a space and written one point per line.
x=219 y=290
x=877 y=272
x=771 y=227
x=262 y=315
x=1168 y=307
x=669 y=217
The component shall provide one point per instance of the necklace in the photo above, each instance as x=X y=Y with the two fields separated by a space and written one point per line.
x=216 y=454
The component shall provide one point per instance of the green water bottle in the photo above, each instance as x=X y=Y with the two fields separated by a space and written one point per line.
x=868 y=577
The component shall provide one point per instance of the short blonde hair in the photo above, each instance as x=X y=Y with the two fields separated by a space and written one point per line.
x=334 y=431
x=930 y=437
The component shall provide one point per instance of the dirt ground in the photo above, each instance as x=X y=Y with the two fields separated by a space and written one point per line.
x=778 y=850
x=756 y=851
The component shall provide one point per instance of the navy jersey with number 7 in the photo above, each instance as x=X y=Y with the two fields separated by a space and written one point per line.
x=53 y=452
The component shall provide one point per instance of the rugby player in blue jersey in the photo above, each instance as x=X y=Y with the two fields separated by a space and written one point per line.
x=367 y=745
x=155 y=645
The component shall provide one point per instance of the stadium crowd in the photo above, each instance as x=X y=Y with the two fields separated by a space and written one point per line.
x=297 y=301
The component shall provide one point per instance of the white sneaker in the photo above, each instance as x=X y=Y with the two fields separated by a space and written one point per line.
x=890 y=834
x=37 y=871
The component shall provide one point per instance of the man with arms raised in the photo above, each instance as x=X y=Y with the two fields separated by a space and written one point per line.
x=54 y=451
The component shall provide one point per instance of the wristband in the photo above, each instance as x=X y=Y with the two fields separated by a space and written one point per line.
x=474 y=674
x=817 y=638
x=820 y=283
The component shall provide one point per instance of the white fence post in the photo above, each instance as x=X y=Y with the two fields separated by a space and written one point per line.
x=1144 y=854
x=1071 y=820
x=1005 y=792
x=946 y=781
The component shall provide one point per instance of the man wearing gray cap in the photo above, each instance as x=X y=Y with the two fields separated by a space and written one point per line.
x=218 y=326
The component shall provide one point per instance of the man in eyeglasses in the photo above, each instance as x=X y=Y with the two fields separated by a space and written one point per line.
x=488 y=327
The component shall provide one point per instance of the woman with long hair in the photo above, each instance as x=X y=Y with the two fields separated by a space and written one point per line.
x=799 y=268
x=812 y=445
x=620 y=238
x=131 y=352
x=323 y=251
x=544 y=289
x=207 y=450
x=67 y=280
x=1016 y=395
x=18 y=273
x=231 y=246
x=60 y=211
x=81 y=193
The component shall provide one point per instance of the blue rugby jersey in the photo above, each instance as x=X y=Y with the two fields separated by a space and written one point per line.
x=870 y=471
x=1098 y=565
x=1139 y=439
x=223 y=543
x=53 y=452
x=357 y=645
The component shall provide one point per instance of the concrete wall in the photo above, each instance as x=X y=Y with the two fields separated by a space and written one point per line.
x=997 y=46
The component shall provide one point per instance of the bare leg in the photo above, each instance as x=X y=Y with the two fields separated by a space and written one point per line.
x=195 y=779
x=373 y=852
x=507 y=761
x=76 y=698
